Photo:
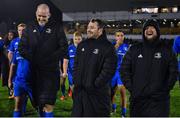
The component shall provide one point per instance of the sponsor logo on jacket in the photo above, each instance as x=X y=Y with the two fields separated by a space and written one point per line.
x=140 y=56
x=157 y=55
x=96 y=51
x=48 y=30
x=82 y=49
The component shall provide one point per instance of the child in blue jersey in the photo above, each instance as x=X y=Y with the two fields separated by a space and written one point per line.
x=13 y=49
x=116 y=83
x=176 y=48
x=5 y=61
x=68 y=62
x=21 y=80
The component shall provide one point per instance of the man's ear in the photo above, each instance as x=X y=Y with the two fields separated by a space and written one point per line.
x=101 y=31
x=36 y=12
x=49 y=15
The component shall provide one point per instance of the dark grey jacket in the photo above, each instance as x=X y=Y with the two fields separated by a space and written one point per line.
x=44 y=48
x=94 y=66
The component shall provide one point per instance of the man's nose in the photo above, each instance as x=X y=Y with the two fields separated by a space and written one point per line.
x=41 y=18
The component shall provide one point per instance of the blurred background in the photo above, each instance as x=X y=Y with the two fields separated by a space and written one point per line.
x=127 y=15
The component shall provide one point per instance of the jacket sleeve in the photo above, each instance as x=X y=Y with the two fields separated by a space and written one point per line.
x=76 y=79
x=66 y=56
x=62 y=49
x=108 y=69
x=173 y=71
x=63 y=44
x=126 y=70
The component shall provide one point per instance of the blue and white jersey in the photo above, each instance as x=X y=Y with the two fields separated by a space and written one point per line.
x=71 y=53
x=176 y=48
x=23 y=69
x=176 y=45
x=121 y=51
x=1 y=43
x=14 y=45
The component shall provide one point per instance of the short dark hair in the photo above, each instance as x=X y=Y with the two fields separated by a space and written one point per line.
x=99 y=22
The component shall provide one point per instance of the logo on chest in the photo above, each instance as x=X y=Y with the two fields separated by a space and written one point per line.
x=121 y=53
x=71 y=51
x=82 y=49
x=48 y=30
x=16 y=43
x=96 y=51
x=157 y=55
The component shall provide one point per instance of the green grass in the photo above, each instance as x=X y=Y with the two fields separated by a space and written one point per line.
x=64 y=108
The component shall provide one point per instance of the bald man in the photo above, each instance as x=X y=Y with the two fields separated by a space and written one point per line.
x=44 y=44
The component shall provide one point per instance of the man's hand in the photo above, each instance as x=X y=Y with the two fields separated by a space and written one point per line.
x=10 y=84
x=64 y=75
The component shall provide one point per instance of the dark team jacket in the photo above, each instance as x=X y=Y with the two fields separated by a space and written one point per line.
x=149 y=70
x=44 y=48
x=94 y=66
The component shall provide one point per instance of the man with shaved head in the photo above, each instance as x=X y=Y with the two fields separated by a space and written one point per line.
x=44 y=44
x=42 y=14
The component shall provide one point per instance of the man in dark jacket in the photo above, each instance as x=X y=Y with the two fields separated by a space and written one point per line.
x=94 y=67
x=43 y=44
x=149 y=72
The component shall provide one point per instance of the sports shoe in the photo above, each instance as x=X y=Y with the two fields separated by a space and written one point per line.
x=11 y=96
x=70 y=93
x=113 y=110
x=62 y=98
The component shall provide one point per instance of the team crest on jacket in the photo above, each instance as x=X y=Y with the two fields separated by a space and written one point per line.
x=96 y=51
x=157 y=55
x=48 y=30
x=82 y=49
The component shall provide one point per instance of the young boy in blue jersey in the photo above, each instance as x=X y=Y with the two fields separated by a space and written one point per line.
x=176 y=48
x=21 y=80
x=68 y=62
x=14 y=45
x=5 y=42
x=116 y=83
x=13 y=48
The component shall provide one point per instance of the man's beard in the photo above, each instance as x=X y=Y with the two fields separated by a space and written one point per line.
x=151 y=38
x=42 y=23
